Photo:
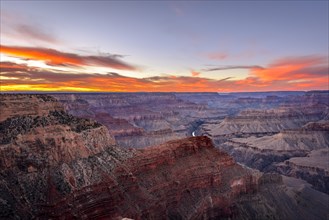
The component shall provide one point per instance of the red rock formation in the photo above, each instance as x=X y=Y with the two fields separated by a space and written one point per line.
x=27 y=105
x=36 y=126
x=181 y=179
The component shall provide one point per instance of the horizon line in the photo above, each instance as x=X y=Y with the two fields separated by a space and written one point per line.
x=100 y=92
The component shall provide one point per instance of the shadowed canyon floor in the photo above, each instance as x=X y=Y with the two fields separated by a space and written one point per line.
x=114 y=156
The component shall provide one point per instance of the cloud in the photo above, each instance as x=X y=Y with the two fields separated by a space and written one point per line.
x=12 y=67
x=57 y=58
x=290 y=73
x=40 y=79
x=245 y=54
x=310 y=60
x=35 y=32
x=227 y=78
x=294 y=68
x=297 y=73
x=18 y=26
x=232 y=67
x=195 y=73
x=217 y=56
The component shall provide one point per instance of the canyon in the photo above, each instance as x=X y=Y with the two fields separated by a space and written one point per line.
x=164 y=155
x=258 y=130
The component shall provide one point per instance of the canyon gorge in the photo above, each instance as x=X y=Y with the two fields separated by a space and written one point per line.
x=164 y=155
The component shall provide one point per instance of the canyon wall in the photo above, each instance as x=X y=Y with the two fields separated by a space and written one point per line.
x=138 y=119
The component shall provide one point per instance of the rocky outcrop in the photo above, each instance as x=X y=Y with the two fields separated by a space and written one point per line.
x=260 y=159
x=266 y=113
x=27 y=105
x=262 y=152
x=314 y=168
x=36 y=144
x=322 y=125
x=45 y=135
x=292 y=140
x=273 y=197
x=264 y=121
x=282 y=152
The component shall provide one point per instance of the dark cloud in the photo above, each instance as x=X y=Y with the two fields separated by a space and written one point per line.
x=12 y=67
x=58 y=58
x=310 y=60
x=19 y=26
x=34 y=32
x=218 y=56
x=227 y=78
x=114 y=56
x=315 y=70
x=232 y=67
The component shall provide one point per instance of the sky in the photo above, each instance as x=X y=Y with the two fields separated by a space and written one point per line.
x=164 y=46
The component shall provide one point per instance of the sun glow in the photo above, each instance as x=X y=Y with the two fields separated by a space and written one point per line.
x=23 y=69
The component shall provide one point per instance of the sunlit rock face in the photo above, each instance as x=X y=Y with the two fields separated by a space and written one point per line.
x=41 y=129
x=58 y=166
x=27 y=105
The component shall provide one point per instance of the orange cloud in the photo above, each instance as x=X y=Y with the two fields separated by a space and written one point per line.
x=294 y=68
x=24 y=78
x=195 y=73
x=303 y=73
x=54 y=57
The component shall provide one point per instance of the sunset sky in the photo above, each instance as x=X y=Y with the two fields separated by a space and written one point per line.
x=133 y=46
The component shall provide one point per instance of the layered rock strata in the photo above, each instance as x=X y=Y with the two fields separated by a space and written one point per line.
x=314 y=168
x=58 y=166
x=264 y=122
x=301 y=153
x=138 y=119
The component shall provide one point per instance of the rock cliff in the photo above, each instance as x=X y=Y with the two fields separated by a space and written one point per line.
x=314 y=168
x=27 y=105
x=258 y=121
x=301 y=153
